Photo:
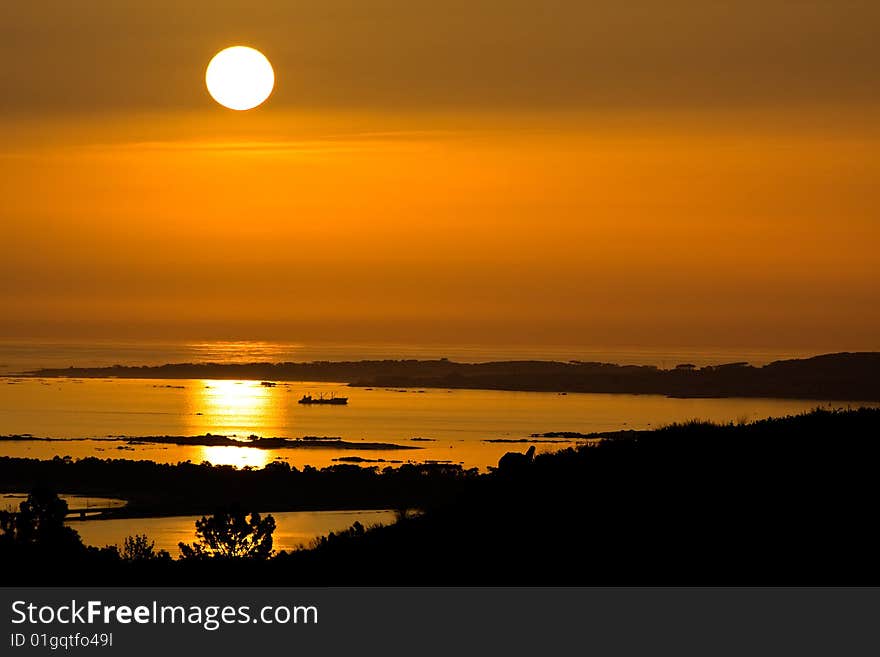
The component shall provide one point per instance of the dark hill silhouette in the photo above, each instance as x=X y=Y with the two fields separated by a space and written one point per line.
x=843 y=376
x=787 y=501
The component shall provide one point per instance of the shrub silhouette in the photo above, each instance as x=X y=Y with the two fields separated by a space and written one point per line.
x=231 y=535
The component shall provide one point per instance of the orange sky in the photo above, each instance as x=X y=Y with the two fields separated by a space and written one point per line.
x=476 y=174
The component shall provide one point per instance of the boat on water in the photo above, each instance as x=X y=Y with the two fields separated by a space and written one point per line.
x=321 y=399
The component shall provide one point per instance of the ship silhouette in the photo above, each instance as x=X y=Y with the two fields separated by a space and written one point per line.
x=321 y=399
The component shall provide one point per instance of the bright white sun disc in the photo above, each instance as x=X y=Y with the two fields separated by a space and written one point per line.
x=240 y=78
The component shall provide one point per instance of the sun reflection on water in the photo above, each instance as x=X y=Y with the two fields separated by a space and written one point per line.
x=236 y=409
x=235 y=402
x=240 y=457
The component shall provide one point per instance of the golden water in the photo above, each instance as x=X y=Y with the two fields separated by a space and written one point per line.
x=458 y=422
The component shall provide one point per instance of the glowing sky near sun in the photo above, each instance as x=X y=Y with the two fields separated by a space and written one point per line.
x=655 y=173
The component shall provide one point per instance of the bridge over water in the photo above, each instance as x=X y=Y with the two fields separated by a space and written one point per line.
x=79 y=507
x=91 y=512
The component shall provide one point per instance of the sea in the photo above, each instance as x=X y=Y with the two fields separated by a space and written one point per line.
x=472 y=428
x=104 y=418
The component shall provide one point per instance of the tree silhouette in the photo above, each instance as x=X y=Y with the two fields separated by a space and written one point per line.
x=7 y=527
x=140 y=548
x=231 y=535
x=40 y=521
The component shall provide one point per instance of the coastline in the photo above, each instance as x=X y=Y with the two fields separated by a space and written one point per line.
x=835 y=377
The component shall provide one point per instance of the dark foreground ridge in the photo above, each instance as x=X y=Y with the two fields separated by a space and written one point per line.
x=844 y=376
x=788 y=501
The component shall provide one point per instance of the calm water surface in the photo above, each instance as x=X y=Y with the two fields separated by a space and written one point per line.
x=458 y=423
x=293 y=529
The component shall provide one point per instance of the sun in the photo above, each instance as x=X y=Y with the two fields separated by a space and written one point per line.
x=240 y=78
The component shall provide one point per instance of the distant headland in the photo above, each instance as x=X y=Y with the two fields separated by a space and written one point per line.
x=837 y=377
